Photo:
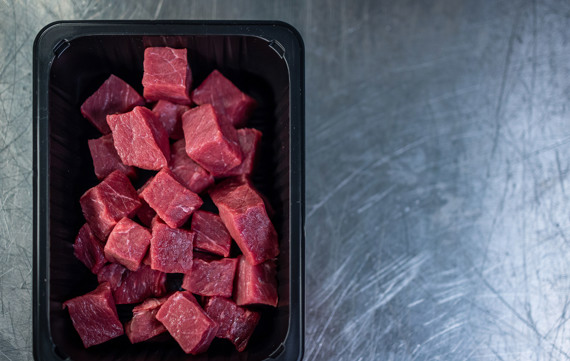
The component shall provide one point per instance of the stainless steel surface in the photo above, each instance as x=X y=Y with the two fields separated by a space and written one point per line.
x=438 y=193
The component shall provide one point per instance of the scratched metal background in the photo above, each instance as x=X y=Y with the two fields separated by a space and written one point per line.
x=438 y=143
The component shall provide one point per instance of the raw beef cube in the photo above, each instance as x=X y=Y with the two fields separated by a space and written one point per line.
x=167 y=75
x=187 y=322
x=106 y=159
x=145 y=213
x=256 y=284
x=211 y=142
x=171 y=249
x=144 y=324
x=94 y=316
x=235 y=323
x=243 y=212
x=211 y=234
x=210 y=277
x=186 y=171
x=109 y=201
x=173 y=202
x=89 y=250
x=170 y=115
x=113 y=274
x=140 y=139
x=249 y=142
x=114 y=96
x=127 y=244
x=133 y=287
x=230 y=102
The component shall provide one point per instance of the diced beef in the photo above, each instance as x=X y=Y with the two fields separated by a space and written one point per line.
x=144 y=324
x=211 y=142
x=187 y=322
x=171 y=249
x=211 y=234
x=249 y=142
x=133 y=287
x=235 y=323
x=145 y=213
x=230 y=102
x=140 y=139
x=89 y=250
x=243 y=212
x=109 y=201
x=173 y=202
x=167 y=75
x=256 y=284
x=211 y=277
x=112 y=273
x=170 y=115
x=114 y=96
x=127 y=244
x=105 y=158
x=94 y=316
x=186 y=171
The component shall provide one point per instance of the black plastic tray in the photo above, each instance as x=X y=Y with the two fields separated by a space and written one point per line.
x=71 y=59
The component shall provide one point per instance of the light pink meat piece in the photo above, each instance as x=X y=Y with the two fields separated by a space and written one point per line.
x=249 y=142
x=211 y=142
x=94 y=316
x=133 y=287
x=211 y=234
x=171 y=249
x=127 y=244
x=187 y=322
x=230 y=103
x=109 y=201
x=105 y=158
x=211 y=277
x=144 y=325
x=170 y=115
x=243 y=212
x=256 y=284
x=89 y=250
x=140 y=139
x=113 y=96
x=167 y=75
x=186 y=171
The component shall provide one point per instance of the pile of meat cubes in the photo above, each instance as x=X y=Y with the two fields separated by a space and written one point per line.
x=196 y=142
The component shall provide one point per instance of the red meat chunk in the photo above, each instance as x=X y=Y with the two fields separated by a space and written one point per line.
x=170 y=115
x=113 y=274
x=211 y=234
x=127 y=244
x=94 y=316
x=144 y=324
x=230 y=102
x=171 y=249
x=256 y=284
x=186 y=171
x=173 y=202
x=166 y=75
x=235 y=323
x=140 y=139
x=210 y=277
x=105 y=158
x=109 y=201
x=133 y=287
x=187 y=322
x=145 y=213
x=249 y=142
x=114 y=96
x=243 y=212
x=211 y=142
x=89 y=250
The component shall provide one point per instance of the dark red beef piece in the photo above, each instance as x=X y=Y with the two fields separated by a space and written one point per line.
x=167 y=75
x=127 y=244
x=243 y=212
x=144 y=325
x=256 y=284
x=89 y=250
x=230 y=103
x=171 y=249
x=211 y=142
x=170 y=115
x=140 y=139
x=186 y=171
x=113 y=273
x=94 y=316
x=235 y=323
x=173 y=202
x=145 y=213
x=114 y=96
x=105 y=158
x=187 y=322
x=133 y=287
x=249 y=142
x=211 y=234
x=211 y=277
x=109 y=201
